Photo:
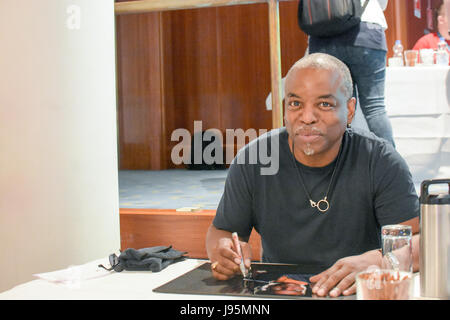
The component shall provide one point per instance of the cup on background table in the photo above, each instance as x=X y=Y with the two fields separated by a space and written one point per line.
x=411 y=57
x=427 y=57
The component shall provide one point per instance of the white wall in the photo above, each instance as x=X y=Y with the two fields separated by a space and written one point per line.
x=58 y=136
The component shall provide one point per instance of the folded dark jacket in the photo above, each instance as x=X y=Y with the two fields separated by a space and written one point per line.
x=146 y=259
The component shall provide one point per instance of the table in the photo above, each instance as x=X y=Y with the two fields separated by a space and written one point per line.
x=418 y=106
x=105 y=285
x=125 y=285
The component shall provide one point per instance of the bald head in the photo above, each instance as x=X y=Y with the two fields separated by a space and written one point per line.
x=326 y=62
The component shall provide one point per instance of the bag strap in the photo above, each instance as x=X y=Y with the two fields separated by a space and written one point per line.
x=364 y=6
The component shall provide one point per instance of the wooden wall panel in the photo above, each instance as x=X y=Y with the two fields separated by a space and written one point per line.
x=209 y=64
x=140 y=110
x=194 y=67
x=244 y=67
x=294 y=42
x=394 y=27
x=190 y=71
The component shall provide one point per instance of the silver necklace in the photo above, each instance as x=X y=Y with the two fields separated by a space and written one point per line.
x=322 y=205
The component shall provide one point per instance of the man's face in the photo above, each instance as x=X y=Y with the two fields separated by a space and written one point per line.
x=316 y=113
x=443 y=24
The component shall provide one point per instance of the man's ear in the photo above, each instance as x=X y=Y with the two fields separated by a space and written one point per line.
x=351 y=107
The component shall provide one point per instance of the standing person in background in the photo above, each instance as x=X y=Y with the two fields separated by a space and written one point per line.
x=431 y=40
x=363 y=49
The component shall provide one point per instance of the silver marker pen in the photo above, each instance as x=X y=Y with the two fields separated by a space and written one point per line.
x=237 y=244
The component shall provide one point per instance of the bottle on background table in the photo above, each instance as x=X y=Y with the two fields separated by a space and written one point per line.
x=442 y=55
x=397 y=59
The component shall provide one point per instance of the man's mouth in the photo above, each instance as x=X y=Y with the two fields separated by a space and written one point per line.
x=309 y=138
x=308 y=135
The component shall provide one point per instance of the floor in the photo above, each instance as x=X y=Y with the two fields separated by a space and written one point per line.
x=171 y=189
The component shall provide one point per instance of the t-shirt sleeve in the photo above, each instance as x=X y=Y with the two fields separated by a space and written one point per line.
x=234 y=212
x=395 y=197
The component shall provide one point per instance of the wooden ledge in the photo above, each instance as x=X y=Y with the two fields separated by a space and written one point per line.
x=184 y=231
x=171 y=212
x=141 y=6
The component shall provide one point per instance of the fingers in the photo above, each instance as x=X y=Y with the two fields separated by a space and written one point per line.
x=346 y=286
x=227 y=254
x=222 y=272
x=351 y=290
x=322 y=277
x=337 y=280
x=327 y=281
x=226 y=261
x=246 y=254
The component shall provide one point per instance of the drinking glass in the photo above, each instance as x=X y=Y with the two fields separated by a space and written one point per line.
x=427 y=56
x=411 y=57
x=396 y=247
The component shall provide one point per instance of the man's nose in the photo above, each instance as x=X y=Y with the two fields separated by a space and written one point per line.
x=308 y=115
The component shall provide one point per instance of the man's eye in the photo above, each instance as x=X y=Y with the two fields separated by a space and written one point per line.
x=326 y=105
x=294 y=104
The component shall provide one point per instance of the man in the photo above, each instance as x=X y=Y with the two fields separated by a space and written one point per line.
x=363 y=49
x=431 y=40
x=325 y=207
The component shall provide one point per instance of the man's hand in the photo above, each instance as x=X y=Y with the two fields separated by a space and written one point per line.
x=223 y=255
x=340 y=277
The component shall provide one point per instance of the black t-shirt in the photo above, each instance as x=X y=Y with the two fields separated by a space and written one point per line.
x=372 y=187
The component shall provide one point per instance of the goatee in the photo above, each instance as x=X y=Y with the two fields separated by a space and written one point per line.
x=308 y=150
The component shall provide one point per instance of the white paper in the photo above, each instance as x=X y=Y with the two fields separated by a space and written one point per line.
x=74 y=275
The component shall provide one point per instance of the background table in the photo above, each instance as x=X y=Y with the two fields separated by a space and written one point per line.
x=418 y=105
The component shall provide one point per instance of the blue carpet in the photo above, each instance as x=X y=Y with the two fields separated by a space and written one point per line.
x=171 y=189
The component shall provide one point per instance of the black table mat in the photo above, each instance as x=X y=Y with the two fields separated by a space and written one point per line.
x=200 y=281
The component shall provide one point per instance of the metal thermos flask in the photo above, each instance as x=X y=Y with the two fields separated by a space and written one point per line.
x=434 y=255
